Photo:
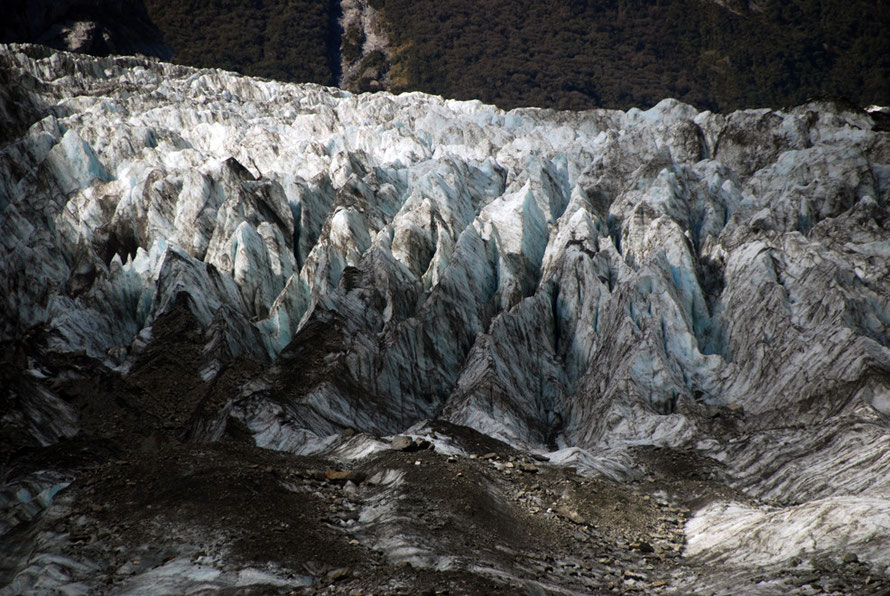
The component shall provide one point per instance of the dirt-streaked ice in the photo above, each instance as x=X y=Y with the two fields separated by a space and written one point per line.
x=584 y=282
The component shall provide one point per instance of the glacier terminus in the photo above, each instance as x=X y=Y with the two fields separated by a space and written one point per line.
x=240 y=283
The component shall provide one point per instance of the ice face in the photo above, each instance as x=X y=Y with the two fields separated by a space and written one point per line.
x=584 y=281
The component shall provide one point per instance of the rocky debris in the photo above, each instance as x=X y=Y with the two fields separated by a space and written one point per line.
x=570 y=514
x=339 y=574
x=407 y=444
x=341 y=475
x=401 y=443
x=387 y=528
x=603 y=551
x=643 y=547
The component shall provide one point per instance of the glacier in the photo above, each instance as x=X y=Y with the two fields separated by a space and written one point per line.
x=583 y=286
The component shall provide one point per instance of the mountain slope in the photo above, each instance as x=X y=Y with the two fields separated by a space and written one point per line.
x=285 y=40
x=624 y=53
x=674 y=304
x=618 y=54
x=98 y=27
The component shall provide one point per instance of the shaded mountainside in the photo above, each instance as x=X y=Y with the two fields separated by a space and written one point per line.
x=288 y=40
x=624 y=53
x=259 y=334
x=568 y=55
x=98 y=27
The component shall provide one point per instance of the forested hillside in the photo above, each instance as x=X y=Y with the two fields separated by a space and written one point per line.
x=575 y=54
x=621 y=53
x=291 y=40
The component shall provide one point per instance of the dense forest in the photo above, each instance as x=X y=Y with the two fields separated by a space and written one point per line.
x=289 y=40
x=622 y=53
x=575 y=54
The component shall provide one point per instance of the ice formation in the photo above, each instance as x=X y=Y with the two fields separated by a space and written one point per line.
x=579 y=284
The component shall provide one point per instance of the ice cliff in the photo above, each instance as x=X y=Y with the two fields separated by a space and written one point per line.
x=580 y=284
